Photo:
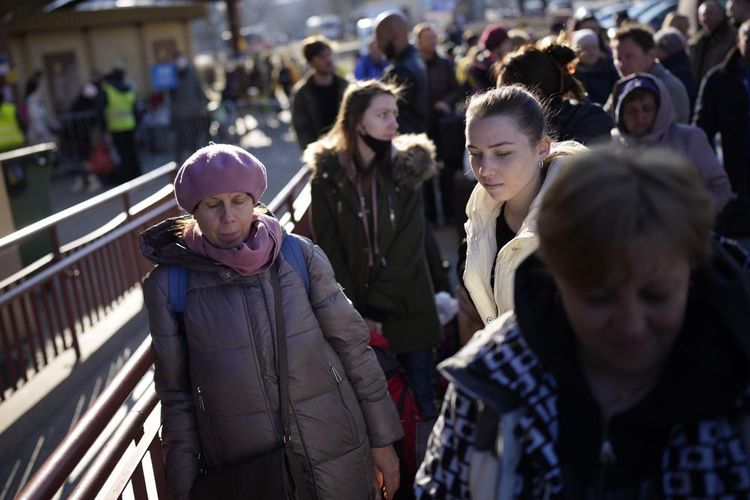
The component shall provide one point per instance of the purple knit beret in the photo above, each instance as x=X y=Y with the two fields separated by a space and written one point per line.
x=217 y=169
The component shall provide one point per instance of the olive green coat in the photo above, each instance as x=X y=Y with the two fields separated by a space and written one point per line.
x=396 y=290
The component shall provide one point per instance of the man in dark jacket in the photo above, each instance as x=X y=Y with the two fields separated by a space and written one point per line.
x=722 y=107
x=407 y=69
x=317 y=95
x=671 y=51
x=710 y=45
x=444 y=127
x=189 y=114
x=738 y=11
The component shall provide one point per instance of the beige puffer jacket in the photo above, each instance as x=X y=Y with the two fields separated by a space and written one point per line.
x=482 y=253
x=218 y=383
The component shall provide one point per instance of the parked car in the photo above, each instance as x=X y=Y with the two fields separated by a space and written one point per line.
x=330 y=26
x=643 y=12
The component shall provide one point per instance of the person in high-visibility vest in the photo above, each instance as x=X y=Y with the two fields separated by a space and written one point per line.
x=119 y=113
x=11 y=133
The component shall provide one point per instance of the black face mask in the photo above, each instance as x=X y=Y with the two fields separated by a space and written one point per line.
x=390 y=51
x=381 y=148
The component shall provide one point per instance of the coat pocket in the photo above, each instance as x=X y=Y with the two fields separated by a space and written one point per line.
x=207 y=432
x=351 y=422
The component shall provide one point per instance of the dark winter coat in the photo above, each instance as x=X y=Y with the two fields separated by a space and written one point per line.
x=396 y=290
x=583 y=122
x=441 y=85
x=409 y=71
x=306 y=115
x=520 y=422
x=218 y=381
x=679 y=64
x=722 y=107
x=598 y=79
x=707 y=49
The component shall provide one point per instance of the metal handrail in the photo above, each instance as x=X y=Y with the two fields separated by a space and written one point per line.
x=18 y=153
x=53 y=220
x=60 y=266
x=52 y=474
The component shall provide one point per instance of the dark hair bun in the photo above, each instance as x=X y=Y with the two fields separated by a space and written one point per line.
x=560 y=53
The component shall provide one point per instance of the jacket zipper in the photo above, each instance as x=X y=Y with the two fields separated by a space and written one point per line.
x=336 y=374
x=391 y=211
x=350 y=417
x=201 y=403
x=607 y=458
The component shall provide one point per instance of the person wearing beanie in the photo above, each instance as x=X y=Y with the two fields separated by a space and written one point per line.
x=645 y=117
x=217 y=368
x=494 y=43
x=671 y=50
x=594 y=67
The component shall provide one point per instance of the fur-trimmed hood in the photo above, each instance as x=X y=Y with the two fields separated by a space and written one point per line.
x=413 y=160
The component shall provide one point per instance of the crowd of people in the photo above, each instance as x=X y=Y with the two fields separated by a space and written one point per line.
x=602 y=310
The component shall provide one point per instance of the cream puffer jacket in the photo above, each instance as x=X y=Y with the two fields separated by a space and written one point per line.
x=482 y=212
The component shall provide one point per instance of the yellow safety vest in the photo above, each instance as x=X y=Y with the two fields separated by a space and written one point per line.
x=120 y=117
x=11 y=135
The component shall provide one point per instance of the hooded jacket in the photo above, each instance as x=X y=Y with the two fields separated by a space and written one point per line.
x=687 y=140
x=481 y=252
x=217 y=379
x=396 y=290
x=672 y=85
x=519 y=420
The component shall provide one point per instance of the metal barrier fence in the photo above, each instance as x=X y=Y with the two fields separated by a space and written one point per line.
x=47 y=305
x=133 y=455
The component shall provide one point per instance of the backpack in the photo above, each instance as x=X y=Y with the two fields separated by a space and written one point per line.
x=406 y=404
x=177 y=274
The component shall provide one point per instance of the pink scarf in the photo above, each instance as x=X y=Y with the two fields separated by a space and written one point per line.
x=258 y=251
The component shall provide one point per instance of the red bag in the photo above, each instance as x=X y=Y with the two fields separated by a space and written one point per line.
x=100 y=162
x=406 y=404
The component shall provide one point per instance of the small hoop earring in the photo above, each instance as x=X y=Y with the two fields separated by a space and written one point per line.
x=540 y=164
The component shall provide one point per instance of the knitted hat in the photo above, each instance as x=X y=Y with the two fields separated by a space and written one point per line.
x=492 y=36
x=670 y=40
x=217 y=169
x=581 y=37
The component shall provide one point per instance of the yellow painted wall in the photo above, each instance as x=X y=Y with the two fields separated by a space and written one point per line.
x=131 y=46
x=162 y=31
x=120 y=45
x=31 y=51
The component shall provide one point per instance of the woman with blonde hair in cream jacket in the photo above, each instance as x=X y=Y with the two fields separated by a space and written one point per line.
x=514 y=161
x=645 y=117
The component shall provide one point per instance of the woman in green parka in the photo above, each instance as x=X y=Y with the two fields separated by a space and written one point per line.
x=368 y=216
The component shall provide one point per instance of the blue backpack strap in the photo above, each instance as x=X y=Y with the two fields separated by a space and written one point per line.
x=177 y=288
x=293 y=254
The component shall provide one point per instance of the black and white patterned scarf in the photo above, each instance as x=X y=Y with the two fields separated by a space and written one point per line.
x=706 y=460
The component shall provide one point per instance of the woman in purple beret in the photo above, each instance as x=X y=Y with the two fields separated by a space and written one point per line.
x=222 y=374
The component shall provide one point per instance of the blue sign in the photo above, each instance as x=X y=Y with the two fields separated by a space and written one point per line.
x=163 y=76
